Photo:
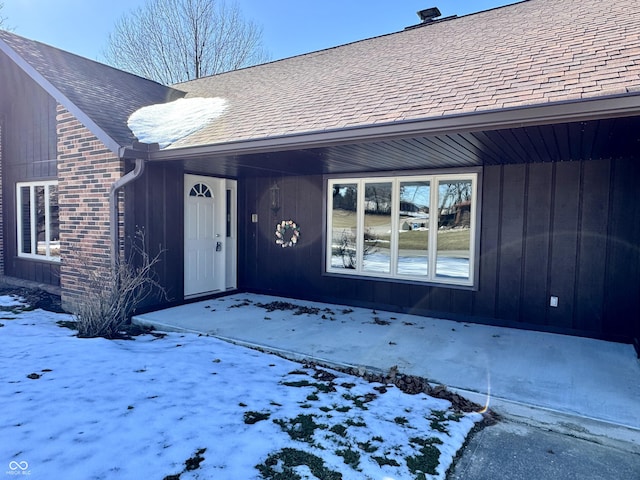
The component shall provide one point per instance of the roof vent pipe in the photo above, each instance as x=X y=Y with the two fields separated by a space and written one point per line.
x=429 y=15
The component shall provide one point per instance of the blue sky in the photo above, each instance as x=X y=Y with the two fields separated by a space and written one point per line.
x=290 y=27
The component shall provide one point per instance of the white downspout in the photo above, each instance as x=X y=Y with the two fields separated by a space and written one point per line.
x=113 y=208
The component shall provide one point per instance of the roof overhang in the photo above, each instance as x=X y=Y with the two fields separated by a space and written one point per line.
x=584 y=110
x=62 y=99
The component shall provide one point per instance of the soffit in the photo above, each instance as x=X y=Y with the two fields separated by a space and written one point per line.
x=603 y=138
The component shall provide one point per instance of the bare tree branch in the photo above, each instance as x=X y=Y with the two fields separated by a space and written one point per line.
x=3 y=19
x=173 y=41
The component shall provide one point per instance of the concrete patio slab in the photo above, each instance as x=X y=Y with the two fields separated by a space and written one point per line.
x=584 y=387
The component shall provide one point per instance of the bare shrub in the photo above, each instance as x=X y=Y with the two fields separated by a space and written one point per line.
x=113 y=294
x=345 y=247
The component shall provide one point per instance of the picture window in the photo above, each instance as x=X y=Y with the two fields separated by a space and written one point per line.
x=420 y=228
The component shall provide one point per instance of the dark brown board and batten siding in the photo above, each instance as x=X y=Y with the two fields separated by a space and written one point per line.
x=29 y=151
x=154 y=213
x=568 y=229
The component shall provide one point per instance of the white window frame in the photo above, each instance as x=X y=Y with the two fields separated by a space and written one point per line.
x=431 y=277
x=46 y=184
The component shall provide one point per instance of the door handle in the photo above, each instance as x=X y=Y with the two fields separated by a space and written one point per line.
x=218 y=246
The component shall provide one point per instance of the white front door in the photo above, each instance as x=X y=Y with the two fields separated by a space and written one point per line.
x=209 y=235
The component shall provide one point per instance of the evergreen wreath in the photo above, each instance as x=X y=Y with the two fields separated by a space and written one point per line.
x=281 y=231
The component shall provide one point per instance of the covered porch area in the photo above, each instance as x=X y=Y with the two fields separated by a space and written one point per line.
x=556 y=237
x=585 y=387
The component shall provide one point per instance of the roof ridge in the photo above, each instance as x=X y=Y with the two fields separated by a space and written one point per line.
x=354 y=42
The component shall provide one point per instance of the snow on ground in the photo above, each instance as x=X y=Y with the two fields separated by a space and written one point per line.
x=188 y=406
x=166 y=123
x=11 y=301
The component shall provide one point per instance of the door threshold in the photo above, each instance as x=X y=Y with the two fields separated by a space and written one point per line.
x=200 y=295
x=211 y=294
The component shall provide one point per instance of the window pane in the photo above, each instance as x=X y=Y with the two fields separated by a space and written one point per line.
x=200 y=190
x=228 y=213
x=454 y=229
x=376 y=255
x=344 y=225
x=54 y=222
x=25 y=227
x=413 y=223
x=41 y=225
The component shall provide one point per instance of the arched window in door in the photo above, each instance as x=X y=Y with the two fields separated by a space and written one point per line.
x=200 y=190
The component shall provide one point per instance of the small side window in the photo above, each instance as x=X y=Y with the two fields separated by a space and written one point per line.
x=38 y=224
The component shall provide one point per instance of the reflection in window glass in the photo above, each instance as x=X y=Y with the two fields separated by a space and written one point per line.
x=25 y=210
x=376 y=253
x=454 y=229
x=413 y=224
x=228 y=215
x=344 y=226
x=413 y=228
x=54 y=222
x=41 y=217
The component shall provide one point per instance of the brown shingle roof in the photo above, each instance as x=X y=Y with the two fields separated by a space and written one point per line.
x=531 y=53
x=104 y=94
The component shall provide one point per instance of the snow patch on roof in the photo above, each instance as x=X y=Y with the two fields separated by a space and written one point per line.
x=167 y=123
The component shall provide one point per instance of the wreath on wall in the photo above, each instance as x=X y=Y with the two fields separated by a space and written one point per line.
x=287 y=233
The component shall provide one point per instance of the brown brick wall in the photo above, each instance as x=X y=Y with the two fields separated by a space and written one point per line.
x=86 y=171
